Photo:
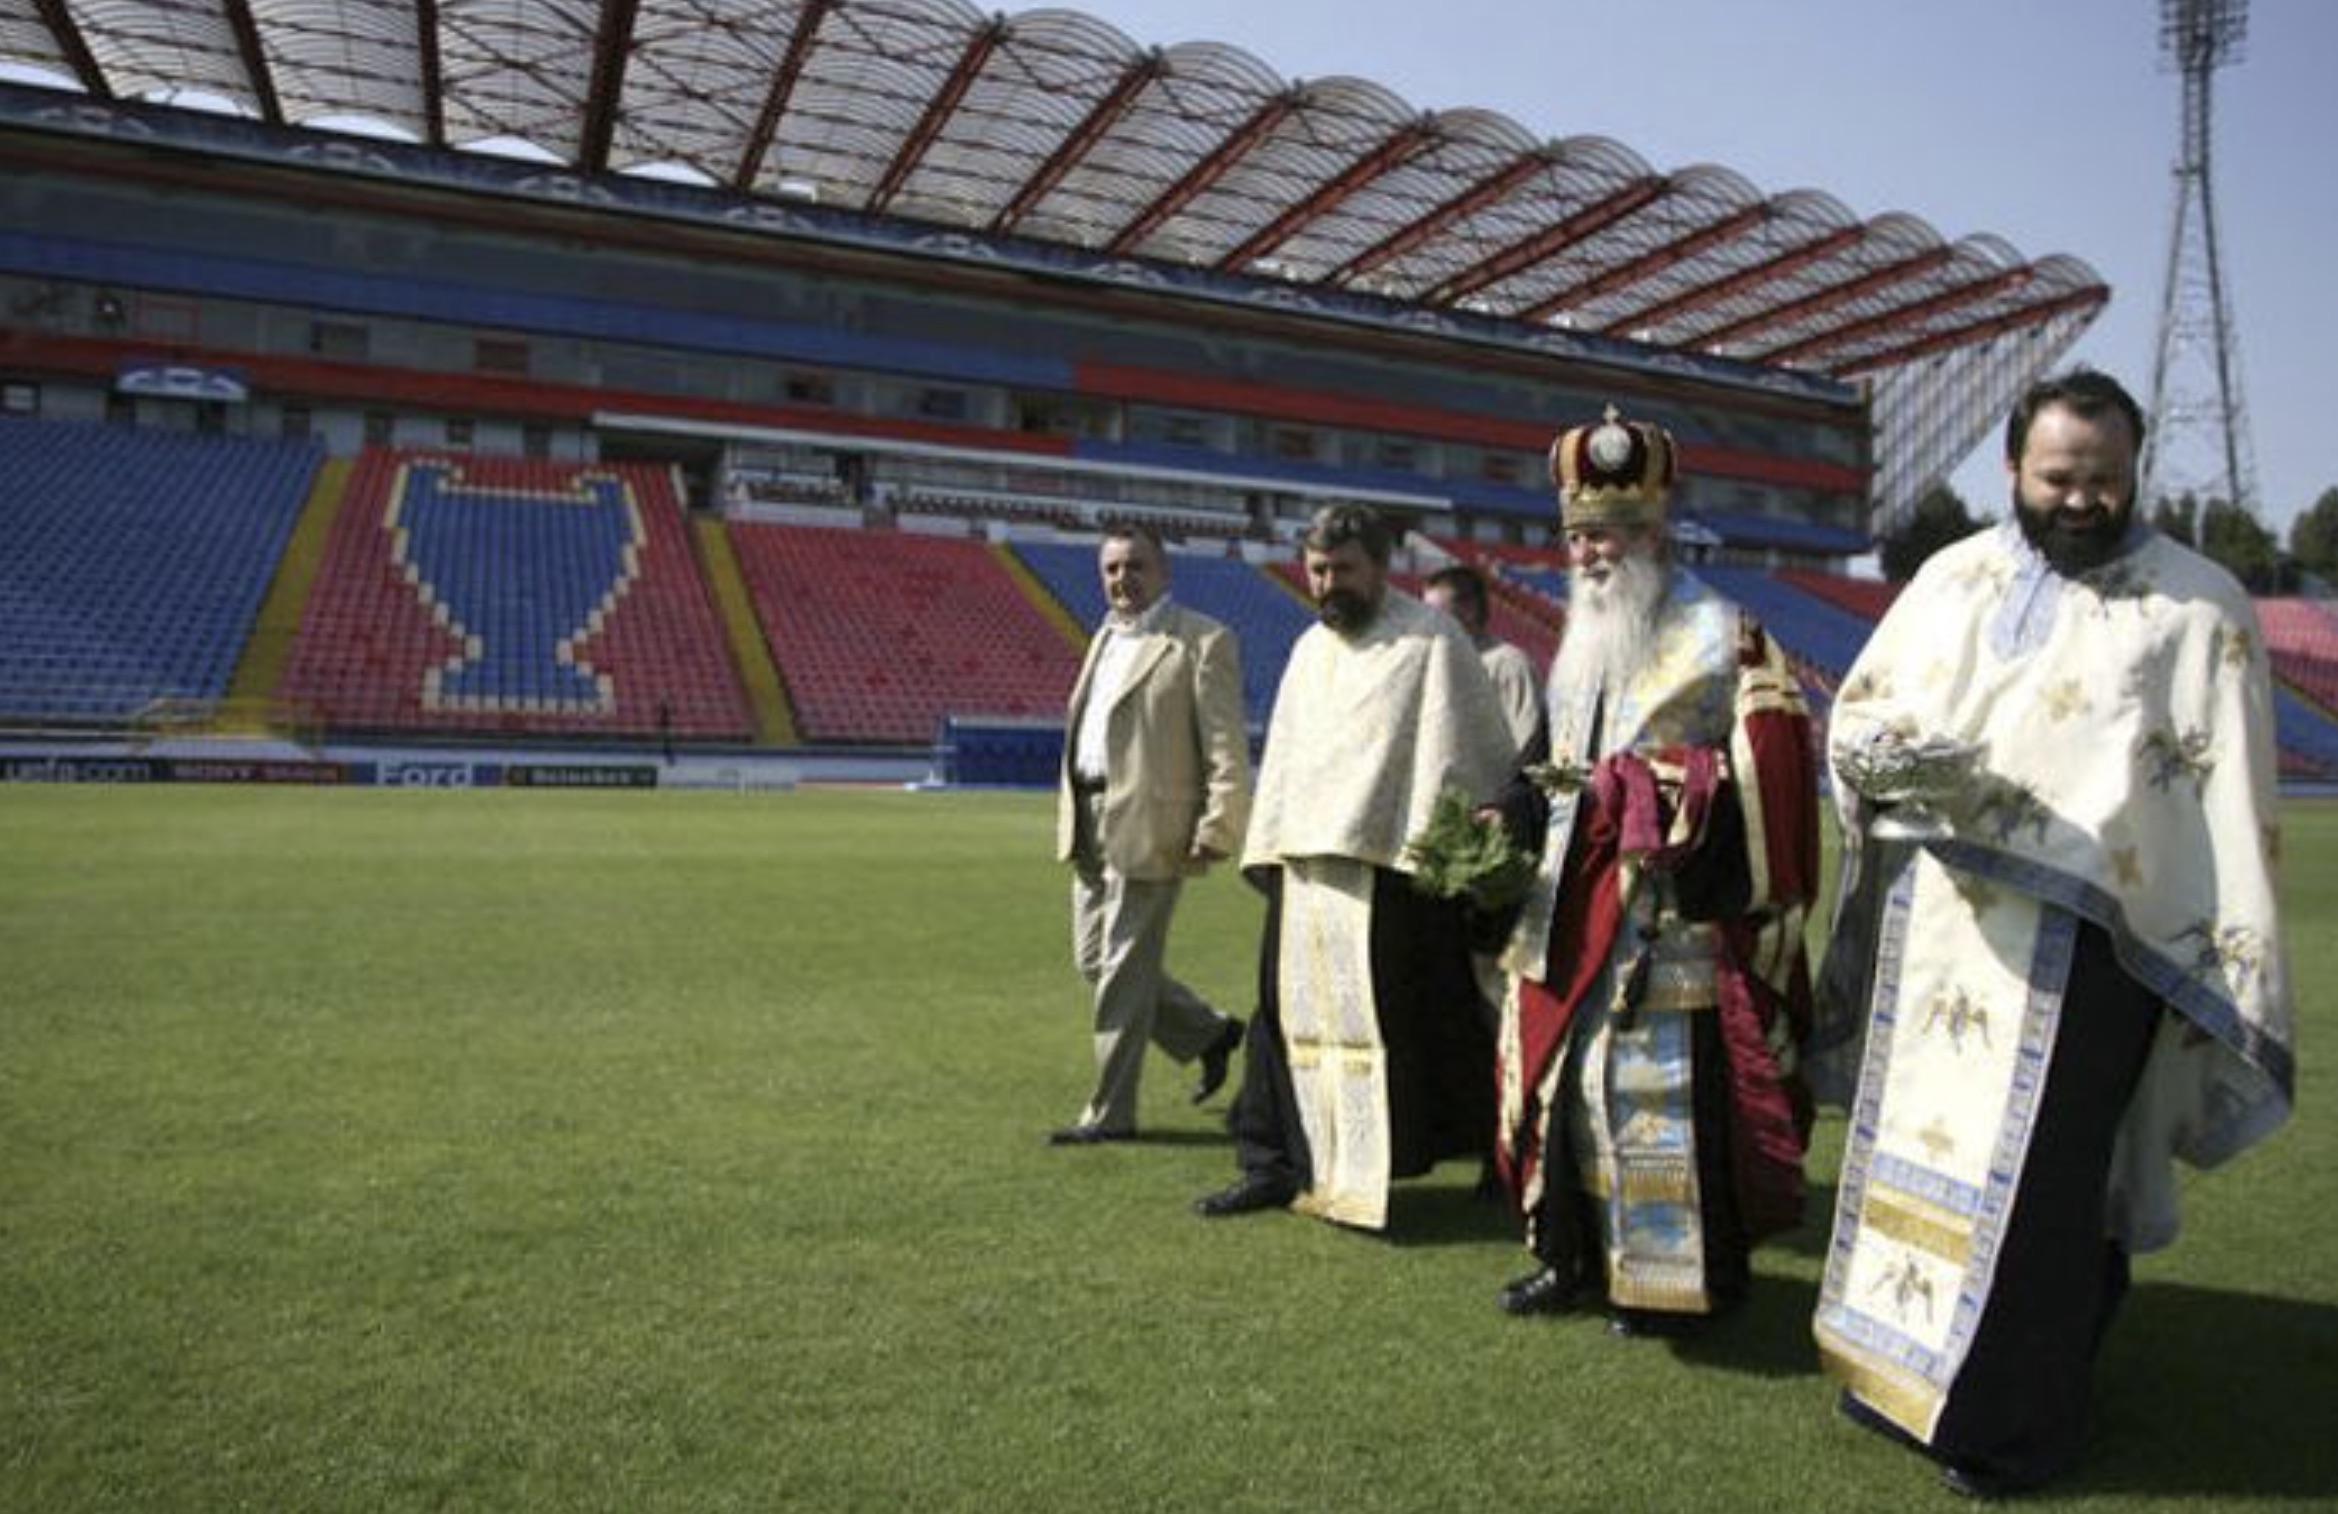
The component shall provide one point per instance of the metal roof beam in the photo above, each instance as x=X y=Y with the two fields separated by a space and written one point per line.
x=1778 y=267
x=1589 y=221
x=2093 y=296
x=254 y=57
x=1649 y=264
x=1405 y=143
x=937 y=115
x=1468 y=203
x=776 y=98
x=1900 y=315
x=67 y=31
x=431 y=67
x=1214 y=166
x=1083 y=138
x=1829 y=297
x=612 y=48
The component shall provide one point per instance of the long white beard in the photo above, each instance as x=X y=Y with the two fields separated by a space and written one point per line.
x=1611 y=626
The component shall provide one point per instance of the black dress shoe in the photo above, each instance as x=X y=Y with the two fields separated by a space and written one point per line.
x=1087 y=1135
x=1247 y=1194
x=1549 y=1291
x=1214 y=1058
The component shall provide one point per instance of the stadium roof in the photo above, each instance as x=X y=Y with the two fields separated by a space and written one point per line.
x=1054 y=126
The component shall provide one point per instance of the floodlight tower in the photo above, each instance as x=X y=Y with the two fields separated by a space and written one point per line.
x=2196 y=377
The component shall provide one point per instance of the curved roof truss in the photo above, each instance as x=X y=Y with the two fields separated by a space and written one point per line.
x=1052 y=125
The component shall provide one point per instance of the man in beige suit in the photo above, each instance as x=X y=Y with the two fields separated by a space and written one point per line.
x=1155 y=786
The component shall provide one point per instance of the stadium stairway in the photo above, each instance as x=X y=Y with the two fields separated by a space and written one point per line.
x=1043 y=596
x=261 y=668
x=775 y=719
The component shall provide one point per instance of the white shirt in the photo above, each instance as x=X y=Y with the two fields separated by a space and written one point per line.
x=1119 y=649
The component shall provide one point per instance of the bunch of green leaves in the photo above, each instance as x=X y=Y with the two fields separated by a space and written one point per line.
x=1458 y=855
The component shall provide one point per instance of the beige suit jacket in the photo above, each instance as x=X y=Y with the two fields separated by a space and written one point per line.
x=1177 y=752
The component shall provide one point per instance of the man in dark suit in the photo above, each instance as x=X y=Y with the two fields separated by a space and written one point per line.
x=1155 y=786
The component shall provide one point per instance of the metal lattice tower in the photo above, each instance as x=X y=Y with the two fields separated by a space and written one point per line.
x=2199 y=437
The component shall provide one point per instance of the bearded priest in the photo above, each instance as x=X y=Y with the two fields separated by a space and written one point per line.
x=2056 y=965
x=1652 y=1123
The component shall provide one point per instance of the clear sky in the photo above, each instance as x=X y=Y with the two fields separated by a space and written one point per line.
x=2051 y=124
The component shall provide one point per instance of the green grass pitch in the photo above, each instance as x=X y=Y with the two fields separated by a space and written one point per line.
x=541 y=1151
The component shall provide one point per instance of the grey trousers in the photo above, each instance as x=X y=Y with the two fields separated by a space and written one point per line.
x=1120 y=943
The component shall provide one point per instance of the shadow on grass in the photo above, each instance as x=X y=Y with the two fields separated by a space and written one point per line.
x=2209 y=1392
x=1186 y=1137
x=1447 y=1210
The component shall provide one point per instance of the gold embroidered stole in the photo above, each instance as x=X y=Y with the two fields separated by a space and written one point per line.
x=1967 y=993
x=1331 y=1034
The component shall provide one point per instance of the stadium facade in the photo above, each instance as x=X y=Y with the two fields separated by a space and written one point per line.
x=798 y=233
x=445 y=373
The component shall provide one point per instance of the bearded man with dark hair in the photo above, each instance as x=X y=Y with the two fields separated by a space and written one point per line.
x=1369 y=1059
x=2057 y=962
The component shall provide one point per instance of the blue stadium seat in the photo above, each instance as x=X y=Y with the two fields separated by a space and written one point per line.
x=1262 y=614
x=1823 y=635
x=134 y=562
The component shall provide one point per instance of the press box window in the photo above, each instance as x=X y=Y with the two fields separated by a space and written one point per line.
x=808 y=389
x=942 y=404
x=500 y=355
x=339 y=339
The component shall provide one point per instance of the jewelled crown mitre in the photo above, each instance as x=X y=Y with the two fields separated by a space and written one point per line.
x=1614 y=473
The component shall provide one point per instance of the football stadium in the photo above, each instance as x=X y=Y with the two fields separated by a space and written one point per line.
x=685 y=427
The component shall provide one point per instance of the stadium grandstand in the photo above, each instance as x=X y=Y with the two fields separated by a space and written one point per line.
x=755 y=379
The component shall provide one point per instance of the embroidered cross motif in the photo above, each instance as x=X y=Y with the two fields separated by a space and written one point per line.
x=2170 y=755
x=2005 y=808
x=1958 y=1013
x=1986 y=577
x=2234 y=953
x=1909 y=1288
x=2066 y=699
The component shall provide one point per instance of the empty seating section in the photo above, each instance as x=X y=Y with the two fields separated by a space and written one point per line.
x=1866 y=598
x=2308 y=737
x=502 y=597
x=507 y=596
x=1067 y=570
x=879 y=635
x=133 y=563
x=2302 y=638
x=1823 y=635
